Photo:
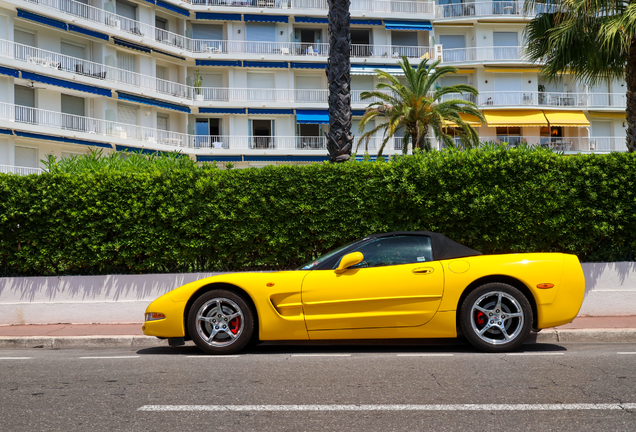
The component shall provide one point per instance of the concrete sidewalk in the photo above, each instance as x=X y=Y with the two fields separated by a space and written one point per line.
x=583 y=329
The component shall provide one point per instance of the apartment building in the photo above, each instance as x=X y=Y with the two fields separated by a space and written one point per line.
x=244 y=81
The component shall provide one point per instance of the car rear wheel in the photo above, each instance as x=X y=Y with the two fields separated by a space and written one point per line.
x=221 y=322
x=496 y=317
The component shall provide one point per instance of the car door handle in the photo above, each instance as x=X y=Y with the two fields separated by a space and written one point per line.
x=423 y=270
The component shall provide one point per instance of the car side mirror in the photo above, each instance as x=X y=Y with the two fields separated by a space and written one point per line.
x=349 y=260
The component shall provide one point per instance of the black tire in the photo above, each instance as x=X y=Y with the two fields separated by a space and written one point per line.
x=496 y=317
x=221 y=332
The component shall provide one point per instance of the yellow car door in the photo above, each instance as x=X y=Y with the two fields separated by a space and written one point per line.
x=387 y=289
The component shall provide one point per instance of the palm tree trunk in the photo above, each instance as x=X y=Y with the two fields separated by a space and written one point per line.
x=339 y=138
x=630 y=80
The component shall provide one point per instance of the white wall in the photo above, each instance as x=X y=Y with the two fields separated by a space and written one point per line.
x=610 y=291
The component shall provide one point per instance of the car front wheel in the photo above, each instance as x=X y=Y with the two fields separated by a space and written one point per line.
x=220 y=322
x=496 y=317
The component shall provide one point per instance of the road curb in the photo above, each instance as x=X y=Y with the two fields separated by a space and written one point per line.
x=584 y=336
x=80 y=341
x=545 y=336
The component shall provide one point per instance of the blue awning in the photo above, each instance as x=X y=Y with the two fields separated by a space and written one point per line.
x=264 y=64
x=87 y=32
x=408 y=25
x=366 y=22
x=222 y=111
x=202 y=158
x=302 y=65
x=265 y=18
x=311 y=20
x=218 y=16
x=41 y=19
x=146 y=151
x=151 y=1
x=67 y=84
x=312 y=116
x=62 y=139
x=308 y=158
x=270 y=111
x=357 y=113
x=130 y=45
x=9 y=71
x=152 y=102
x=230 y=63
x=369 y=69
x=168 y=54
x=6 y=132
x=173 y=8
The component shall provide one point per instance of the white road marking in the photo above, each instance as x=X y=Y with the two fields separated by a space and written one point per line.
x=321 y=355
x=626 y=353
x=450 y=407
x=424 y=355
x=212 y=356
x=110 y=357
x=534 y=353
x=15 y=358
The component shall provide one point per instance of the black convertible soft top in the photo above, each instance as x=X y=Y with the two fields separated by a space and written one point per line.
x=443 y=247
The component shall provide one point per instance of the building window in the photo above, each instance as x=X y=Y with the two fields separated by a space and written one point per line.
x=509 y=134
x=26 y=157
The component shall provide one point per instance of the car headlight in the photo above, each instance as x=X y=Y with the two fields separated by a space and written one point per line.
x=154 y=316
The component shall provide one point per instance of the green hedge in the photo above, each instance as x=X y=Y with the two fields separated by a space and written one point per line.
x=113 y=220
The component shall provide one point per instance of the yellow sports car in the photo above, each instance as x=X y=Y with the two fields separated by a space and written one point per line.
x=395 y=285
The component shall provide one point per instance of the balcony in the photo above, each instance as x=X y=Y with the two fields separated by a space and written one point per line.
x=550 y=99
x=361 y=6
x=39 y=58
x=10 y=169
x=483 y=54
x=505 y=9
x=95 y=129
x=544 y=99
x=101 y=130
x=565 y=144
x=220 y=47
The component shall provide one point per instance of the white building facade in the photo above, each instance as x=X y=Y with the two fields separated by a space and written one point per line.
x=244 y=81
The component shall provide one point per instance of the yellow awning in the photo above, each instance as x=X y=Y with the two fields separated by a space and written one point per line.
x=465 y=71
x=512 y=70
x=527 y=118
x=567 y=118
x=468 y=118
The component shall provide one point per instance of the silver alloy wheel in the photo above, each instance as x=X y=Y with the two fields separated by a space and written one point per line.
x=497 y=318
x=219 y=322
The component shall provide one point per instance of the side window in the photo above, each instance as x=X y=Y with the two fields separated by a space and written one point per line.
x=395 y=251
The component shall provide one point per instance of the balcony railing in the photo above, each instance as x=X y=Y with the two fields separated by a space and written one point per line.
x=407 y=7
x=92 y=126
x=544 y=99
x=584 y=144
x=563 y=99
x=165 y=37
x=10 y=169
x=73 y=124
x=56 y=61
x=473 y=54
x=496 y=8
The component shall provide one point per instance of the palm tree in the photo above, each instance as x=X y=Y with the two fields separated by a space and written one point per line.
x=593 y=39
x=339 y=138
x=417 y=105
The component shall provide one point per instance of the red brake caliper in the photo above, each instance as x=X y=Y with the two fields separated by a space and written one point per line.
x=480 y=317
x=234 y=325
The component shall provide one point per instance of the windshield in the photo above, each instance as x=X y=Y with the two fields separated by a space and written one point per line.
x=324 y=257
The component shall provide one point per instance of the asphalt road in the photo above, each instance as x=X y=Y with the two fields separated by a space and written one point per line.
x=569 y=387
